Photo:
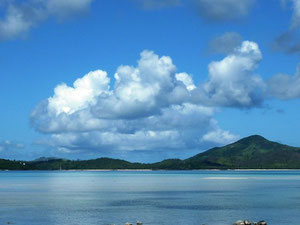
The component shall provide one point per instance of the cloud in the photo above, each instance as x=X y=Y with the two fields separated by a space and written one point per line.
x=10 y=145
x=223 y=10
x=226 y=43
x=284 y=86
x=187 y=80
x=147 y=107
x=289 y=40
x=295 y=23
x=219 y=136
x=233 y=82
x=18 y=20
x=85 y=91
x=20 y=17
x=63 y=9
x=175 y=128
x=156 y=4
x=151 y=106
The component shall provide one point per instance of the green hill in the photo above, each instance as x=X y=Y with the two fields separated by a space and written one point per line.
x=12 y=165
x=101 y=163
x=254 y=152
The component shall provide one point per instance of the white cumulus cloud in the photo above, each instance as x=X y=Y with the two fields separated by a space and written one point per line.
x=233 y=82
x=151 y=106
x=148 y=107
x=219 y=136
x=85 y=91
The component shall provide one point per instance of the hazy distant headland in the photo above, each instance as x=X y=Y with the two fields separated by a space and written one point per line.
x=253 y=152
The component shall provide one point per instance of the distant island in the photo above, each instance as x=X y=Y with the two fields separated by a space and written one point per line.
x=253 y=152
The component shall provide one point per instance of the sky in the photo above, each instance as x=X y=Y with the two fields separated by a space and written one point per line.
x=146 y=80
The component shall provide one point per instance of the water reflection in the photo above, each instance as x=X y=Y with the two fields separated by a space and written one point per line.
x=160 y=198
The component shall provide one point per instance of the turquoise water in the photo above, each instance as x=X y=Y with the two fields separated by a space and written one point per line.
x=158 y=198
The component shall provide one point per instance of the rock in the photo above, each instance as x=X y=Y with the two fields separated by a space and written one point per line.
x=139 y=223
x=247 y=222
x=262 y=223
x=128 y=223
x=239 y=222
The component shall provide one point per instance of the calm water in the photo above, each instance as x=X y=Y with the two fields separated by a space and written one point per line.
x=158 y=198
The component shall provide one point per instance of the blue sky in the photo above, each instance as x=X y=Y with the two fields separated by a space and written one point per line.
x=154 y=79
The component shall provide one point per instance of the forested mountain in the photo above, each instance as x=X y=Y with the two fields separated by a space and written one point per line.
x=254 y=152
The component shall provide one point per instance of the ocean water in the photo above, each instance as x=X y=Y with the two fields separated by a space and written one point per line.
x=153 y=197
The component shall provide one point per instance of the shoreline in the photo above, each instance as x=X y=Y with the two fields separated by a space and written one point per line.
x=150 y=170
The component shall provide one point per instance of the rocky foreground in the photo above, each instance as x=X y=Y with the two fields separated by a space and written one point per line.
x=239 y=222
x=247 y=222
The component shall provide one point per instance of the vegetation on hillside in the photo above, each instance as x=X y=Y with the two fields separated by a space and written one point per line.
x=254 y=152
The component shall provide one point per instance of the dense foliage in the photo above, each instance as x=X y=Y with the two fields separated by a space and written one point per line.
x=254 y=152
